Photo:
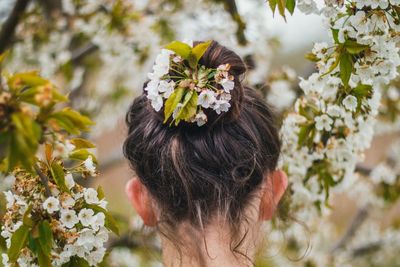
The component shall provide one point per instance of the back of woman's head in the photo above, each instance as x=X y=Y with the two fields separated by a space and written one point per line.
x=195 y=173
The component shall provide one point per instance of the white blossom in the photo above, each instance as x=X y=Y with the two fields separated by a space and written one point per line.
x=69 y=180
x=382 y=173
x=206 y=99
x=350 y=102
x=68 y=218
x=86 y=217
x=323 y=122
x=200 y=118
x=89 y=165
x=51 y=204
x=90 y=196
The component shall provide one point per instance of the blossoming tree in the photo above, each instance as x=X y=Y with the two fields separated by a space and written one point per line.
x=50 y=219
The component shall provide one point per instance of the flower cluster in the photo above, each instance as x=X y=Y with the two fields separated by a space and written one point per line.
x=186 y=87
x=333 y=123
x=58 y=223
x=281 y=94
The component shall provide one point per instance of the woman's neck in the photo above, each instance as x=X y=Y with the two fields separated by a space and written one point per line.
x=211 y=249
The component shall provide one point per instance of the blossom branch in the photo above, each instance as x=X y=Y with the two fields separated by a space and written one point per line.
x=358 y=220
x=9 y=26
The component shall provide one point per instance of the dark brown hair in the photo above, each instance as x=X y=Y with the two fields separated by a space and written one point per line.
x=195 y=173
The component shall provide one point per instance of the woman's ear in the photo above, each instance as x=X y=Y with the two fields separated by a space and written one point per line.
x=272 y=191
x=141 y=200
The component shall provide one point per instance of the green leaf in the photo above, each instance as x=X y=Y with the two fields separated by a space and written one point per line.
x=198 y=51
x=362 y=90
x=81 y=143
x=71 y=120
x=43 y=258
x=334 y=65
x=290 y=6
x=355 y=48
x=189 y=107
x=192 y=61
x=179 y=48
x=100 y=192
x=304 y=133
x=110 y=222
x=82 y=154
x=311 y=57
x=281 y=7
x=327 y=183
x=3 y=56
x=19 y=240
x=23 y=142
x=76 y=261
x=173 y=100
x=28 y=95
x=33 y=244
x=58 y=174
x=26 y=79
x=346 y=68
x=272 y=4
x=45 y=237
x=59 y=97
x=335 y=35
x=27 y=220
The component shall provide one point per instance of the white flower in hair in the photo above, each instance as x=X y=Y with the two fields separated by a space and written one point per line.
x=227 y=84
x=156 y=101
x=183 y=87
x=166 y=88
x=221 y=106
x=200 y=118
x=206 y=98
x=162 y=63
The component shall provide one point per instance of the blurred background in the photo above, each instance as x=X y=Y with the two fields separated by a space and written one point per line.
x=100 y=51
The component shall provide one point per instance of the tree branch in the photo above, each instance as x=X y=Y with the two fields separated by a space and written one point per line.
x=44 y=180
x=9 y=26
x=81 y=52
x=357 y=221
x=231 y=7
x=367 y=248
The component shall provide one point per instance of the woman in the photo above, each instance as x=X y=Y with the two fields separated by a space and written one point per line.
x=204 y=149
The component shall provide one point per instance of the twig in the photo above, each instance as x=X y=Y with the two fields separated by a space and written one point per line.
x=370 y=247
x=51 y=7
x=9 y=26
x=44 y=180
x=81 y=52
x=365 y=170
x=358 y=220
x=77 y=56
x=231 y=7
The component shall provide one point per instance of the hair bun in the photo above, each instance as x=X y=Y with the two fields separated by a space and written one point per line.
x=196 y=84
